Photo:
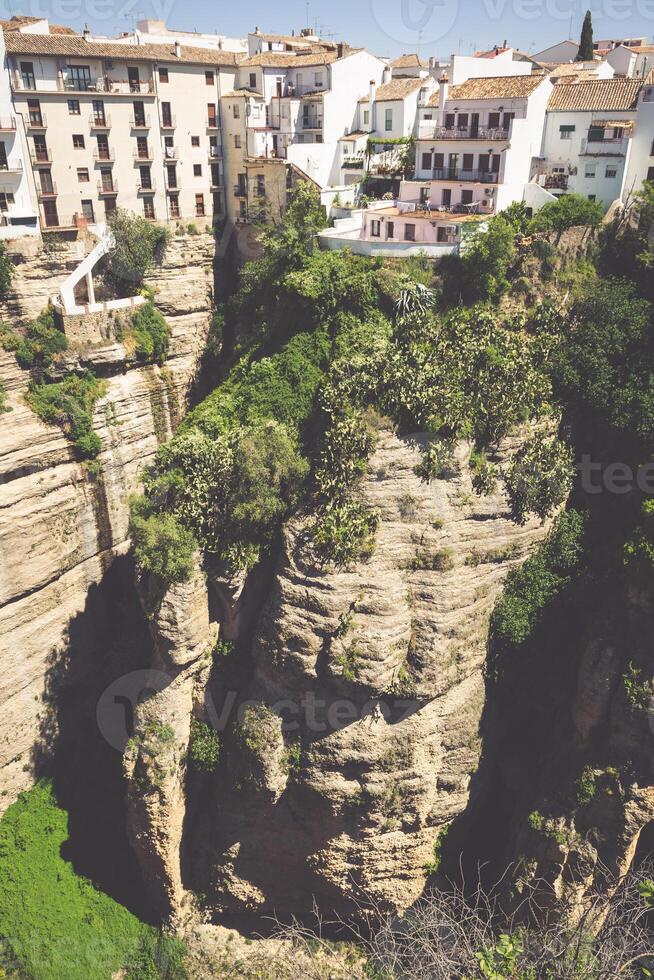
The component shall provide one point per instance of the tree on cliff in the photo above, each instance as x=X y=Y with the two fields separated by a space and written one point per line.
x=586 y=51
x=138 y=245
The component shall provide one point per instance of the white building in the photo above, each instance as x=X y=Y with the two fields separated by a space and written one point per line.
x=587 y=138
x=19 y=213
x=632 y=62
x=641 y=161
x=559 y=53
x=156 y=32
x=479 y=153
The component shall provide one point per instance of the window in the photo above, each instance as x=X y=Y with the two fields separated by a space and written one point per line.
x=34 y=107
x=166 y=114
x=78 y=141
x=139 y=114
x=171 y=175
x=47 y=183
x=424 y=195
x=134 y=79
x=104 y=153
x=611 y=172
x=216 y=177
x=195 y=140
x=145 y=178
x=449 y=120
x=199 y=205
x=390 y=229
x=106 y=180
x=163 y=75
x=463 y=120
x=79 y=78
x=214 y=150
x=466 y=197
x=468 y=161
x=197 y=169
x=447 y=197
x=426 y=161
x=99 y=117
x=596 y=134
x=439 y=161
x=27 y=74
x=317 y=79
x=87 y=210
x=174 y=205
x=590 y=170
x=236 y=111
x=217 y=204
x=83 y=175
x=260 y=188
x=409 y=233
x=109 y=206
x=212 y=118
x=148 y=208
x=375 y=229
x=566 y=132
x=5 y=200
x=40 y=149
x=650 y=173
x=209 y=78
x=237 y=142
x=142 y=151
x=253 y=80
x=366 y=117
x=592 y=197
x=389 y=120
x=73 y=107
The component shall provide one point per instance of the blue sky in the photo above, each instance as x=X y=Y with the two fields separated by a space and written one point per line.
x=386 y=27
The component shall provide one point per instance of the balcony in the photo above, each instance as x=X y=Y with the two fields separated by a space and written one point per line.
x=41 y=158
x=47 y=192
x=104 y=156
x=608 y=147
x=169 y=123
x=474 y=176
x=141 y=156
x=7 y=124
x=314 y=122
x=11 y=167
x=143 y=122
x=293 y=91
x=215 y=152
x=99 y=123
x=69 y=223
x=172 y=188
x=106 y=189
x=171 y=154
x=554 y=182
x=149 y=188
x=483 y=133
x=213 y=125
x=39 y=122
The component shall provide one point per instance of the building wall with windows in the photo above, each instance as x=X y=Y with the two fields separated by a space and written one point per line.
x=18 y=205
x=640 y=166
x=110 y=126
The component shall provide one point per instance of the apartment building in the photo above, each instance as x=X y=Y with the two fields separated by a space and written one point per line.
x=479 y=153
x=293 y=106
x=18 y=206
x=118 y=125
x=640 y=165
x=587 y=140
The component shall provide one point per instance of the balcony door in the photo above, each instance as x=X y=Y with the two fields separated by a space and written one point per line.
x=50 y=215
x=134 y=79
x=474 y=125
x=27 y=74
x=79 y=77
x=4 y=165
x=453 y=165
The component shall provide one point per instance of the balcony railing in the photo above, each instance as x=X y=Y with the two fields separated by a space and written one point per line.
x=605 y=147
x=146 y=188
x=11 y=167
x=215 y=152
x=293 y=91
x=7 y=124
x=171 y=154
x=143 y=156
x=41 y=157
x=143 y=122
x=104 y=156
x=107 y=189
x=100 y=83
x=315 y=122
x=476 y=176
x=169 y=123
x=100 y=122
x=213 y=123
x=554 y=182
x=58 y=223
x=37 y=122
x=467 y=133
x=240 y=190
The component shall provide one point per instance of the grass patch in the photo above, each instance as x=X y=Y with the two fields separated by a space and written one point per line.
x=69 y=404
x=54 y=922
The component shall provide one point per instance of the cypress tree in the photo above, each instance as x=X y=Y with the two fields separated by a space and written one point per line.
x=586 y=43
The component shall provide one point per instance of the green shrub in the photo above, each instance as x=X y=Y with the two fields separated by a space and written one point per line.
x=3 y=399
x=437 y=460
x=639 y=549
x=158 y=957
x=345 y=532
x=568 y=211
x=536 y=821
x=36 y=349
x=539 y=478
x=58 y=923
x=204 y=747
x=586 y=789
x=162 y=545
x=138 y=245
x=69 y=404
x=639 y=692
x=150 y=333
x=6 y=270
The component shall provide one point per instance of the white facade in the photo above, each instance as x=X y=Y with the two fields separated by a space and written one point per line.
x=464 y=67
x=18 y=207
x=641 y=161
x=558 y=53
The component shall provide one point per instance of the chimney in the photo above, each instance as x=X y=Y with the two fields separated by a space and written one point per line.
x=86 y=34
x=443 y=88
x=340 y=48
x=432 y=64
x=371 y=105
x=178 y=49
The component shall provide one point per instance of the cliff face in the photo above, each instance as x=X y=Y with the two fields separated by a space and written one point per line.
x=378 y=671
x=59 y=528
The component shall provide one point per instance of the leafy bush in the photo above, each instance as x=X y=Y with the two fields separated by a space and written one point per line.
x=638 y=690
x=568 y=211
x=532 y=587
x=204 y=747
x=481 y=272
x=159 y=957
x=162 y=545
x=639 y=549
x=345 y=532
x=539 y=478
x=3 y=399
x=6 y=270
x=36 y=349
x=58 y=923
x=150 y=333
x=138 y=245
x=69 y=404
